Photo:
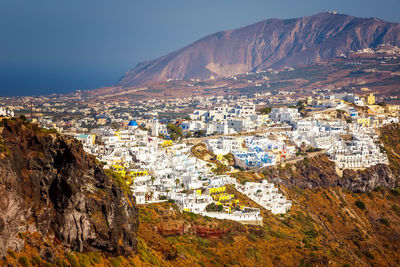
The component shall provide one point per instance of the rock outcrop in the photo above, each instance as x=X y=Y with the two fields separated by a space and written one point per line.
x=50 y=186
x=273 y=43
x=320 y=172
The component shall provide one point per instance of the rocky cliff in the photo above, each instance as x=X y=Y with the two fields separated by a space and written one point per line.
x=320 y=172
x=49 y=186
x=273 y=43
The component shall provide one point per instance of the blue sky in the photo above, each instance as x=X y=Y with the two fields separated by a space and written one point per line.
x=56 y=46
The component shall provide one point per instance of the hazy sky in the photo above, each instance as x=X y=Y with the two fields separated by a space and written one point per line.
x=53 y=46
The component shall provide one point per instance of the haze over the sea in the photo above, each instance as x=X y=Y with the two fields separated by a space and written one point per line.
x=52 y=46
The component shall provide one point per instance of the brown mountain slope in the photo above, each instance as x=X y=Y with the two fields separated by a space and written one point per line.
x=326 y=227
x=271 y=43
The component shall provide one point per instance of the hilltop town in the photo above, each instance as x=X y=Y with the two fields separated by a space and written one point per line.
x=188 y=150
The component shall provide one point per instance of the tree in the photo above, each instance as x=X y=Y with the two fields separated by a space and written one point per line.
x=212 y=207
x=189 y=134
x=23 y=118
x=301 y=106
x=177 y=181
x=199 y=133
x=265 y=110
x=152 y=179
x=174 y=131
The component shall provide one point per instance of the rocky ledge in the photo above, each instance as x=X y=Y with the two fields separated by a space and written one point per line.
x=50 y=186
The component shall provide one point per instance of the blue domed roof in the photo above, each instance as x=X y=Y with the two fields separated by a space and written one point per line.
x=132 y=123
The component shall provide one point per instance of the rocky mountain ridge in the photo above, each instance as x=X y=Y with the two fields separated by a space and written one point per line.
x=272 y=43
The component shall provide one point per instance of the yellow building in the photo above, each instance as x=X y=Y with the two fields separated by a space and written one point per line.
x=264 y=118
x=371 y=99
x=220 y=157
x=392 y=109
x=366 y=122
x=309 y=100
x=216 y=190
x=377 y=108
x=93 y=139
x=374 y=123
x=117 y=133
x=166 y=143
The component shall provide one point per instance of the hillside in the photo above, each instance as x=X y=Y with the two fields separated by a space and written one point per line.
x=70 y=213
x=272 y=43
x=347 y=220
x=324 y=227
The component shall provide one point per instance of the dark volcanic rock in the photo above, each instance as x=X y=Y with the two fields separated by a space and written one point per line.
x=49 y=185
x=273 y=43
x=371 y=178
x=320 y=172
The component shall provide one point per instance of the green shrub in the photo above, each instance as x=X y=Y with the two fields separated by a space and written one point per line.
x=369 y=255
x=12 y=254
x=119 y=181
x=306 y=162
x=191 y=215
x=384 y=221
x=360 y=204
x=23 y=261
x=311 y=233
x=84 y=260
x=72 y=260
x=115 y=262
x=95 y=257
x=395 y=192
x=396 y=209
x=36 y=261
x=60 y=263
x=212 y=207
x=23 y=118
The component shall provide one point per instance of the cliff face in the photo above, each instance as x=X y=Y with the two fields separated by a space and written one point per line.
x=49 y=185
x=272 y=43
x=320 y=172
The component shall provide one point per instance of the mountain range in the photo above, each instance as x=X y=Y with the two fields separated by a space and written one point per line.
x=272 y=43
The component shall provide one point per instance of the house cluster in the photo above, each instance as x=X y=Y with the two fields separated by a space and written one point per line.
x=158 y=169
x=225 y=119
x=253 y=151
x=359 y=149
x=266 y=195
x=127 y=139
x=317 y=133
x=6 y=112
x=287 y=115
